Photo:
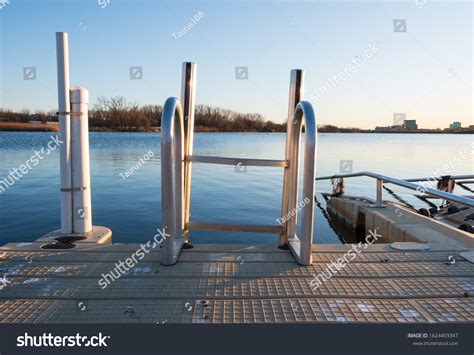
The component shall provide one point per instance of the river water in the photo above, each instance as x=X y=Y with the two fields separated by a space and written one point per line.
x=129 y=202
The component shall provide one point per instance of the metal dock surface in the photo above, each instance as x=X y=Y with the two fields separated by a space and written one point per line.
x=234 y=284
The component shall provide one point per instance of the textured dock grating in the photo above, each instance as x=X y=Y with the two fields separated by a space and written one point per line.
x=293 y=310
x=237 y=284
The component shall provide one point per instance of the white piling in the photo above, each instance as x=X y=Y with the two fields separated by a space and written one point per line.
x=82 y=216
x=65 y=132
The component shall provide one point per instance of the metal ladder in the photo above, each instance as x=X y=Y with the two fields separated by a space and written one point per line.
x=177 y=126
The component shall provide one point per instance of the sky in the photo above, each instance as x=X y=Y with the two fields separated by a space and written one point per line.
x=364 y=61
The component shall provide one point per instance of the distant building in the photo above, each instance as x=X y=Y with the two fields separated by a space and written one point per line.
x=407 y=125
x=410 y=124
x=455 y=125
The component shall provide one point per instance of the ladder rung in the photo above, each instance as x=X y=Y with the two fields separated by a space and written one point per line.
x=237 y=161
x=234 y=227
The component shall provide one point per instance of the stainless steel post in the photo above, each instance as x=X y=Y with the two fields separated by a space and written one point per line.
x=188 y=95
x=289 y=188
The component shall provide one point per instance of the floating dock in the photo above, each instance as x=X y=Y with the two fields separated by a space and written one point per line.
x=396 y=223
x=235 y=284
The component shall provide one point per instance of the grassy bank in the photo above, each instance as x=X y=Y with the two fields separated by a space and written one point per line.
x=28 y=127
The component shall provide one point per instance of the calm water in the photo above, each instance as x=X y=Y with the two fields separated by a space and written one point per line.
x=131 y=207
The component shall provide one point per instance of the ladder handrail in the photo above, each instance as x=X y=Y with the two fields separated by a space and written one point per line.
x=301 y=246
x=177 y=158
x=172 y=179
x=407 y=184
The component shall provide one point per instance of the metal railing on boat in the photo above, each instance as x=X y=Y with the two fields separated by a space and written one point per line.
x=409 y=184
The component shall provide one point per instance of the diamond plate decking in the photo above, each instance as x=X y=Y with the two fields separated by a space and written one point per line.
x=234 y=284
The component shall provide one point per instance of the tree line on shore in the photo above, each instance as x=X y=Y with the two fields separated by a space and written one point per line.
x=118 y=114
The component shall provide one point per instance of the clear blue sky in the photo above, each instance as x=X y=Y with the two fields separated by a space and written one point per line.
x=425 y=72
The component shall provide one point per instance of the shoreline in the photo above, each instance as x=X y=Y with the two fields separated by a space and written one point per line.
x=45 y=127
